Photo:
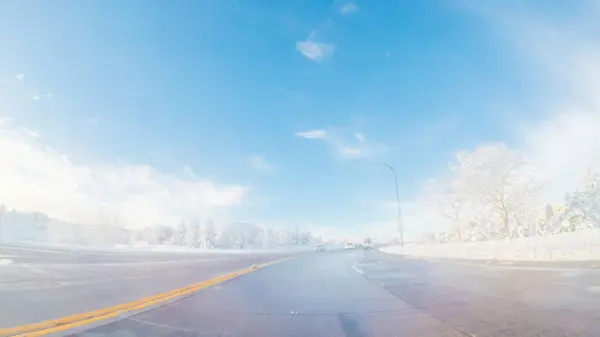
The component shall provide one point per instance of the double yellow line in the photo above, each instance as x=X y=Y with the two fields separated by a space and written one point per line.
x=74 y=321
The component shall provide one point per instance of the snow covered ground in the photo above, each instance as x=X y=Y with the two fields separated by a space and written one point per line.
x=577 y=246
x=125 y=249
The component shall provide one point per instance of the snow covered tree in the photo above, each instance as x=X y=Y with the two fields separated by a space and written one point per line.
x=583 y=206
x=269 y=239
x=449 y=200
x=228 y=237
x=296 y=236
x=209 y=235
x=193 y=234
x=501 y=182
x=164 y=234
x=253 y=235
x=284 y=237
x=180 y=235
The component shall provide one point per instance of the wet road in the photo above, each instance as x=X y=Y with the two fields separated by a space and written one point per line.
x=42 y=284
x=356 y=293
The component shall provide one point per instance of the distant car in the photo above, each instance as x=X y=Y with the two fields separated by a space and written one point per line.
x=349 y=246
x=319 y=248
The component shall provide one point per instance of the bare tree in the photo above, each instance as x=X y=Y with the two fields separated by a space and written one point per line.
x=447 y=199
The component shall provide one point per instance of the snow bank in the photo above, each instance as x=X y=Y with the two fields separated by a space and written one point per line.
x=180 y=249
x=5 y=262
x=577 y=246
x=148 y=248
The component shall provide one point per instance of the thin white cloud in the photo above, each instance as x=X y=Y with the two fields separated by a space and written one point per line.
x=350 y=152
x=359 y=136
x=20 y=78
x=36 y=178
x=315 y=50
x=346 y=145
x=258 y=163
x=28 y=132
x=349 y=8
x=312 y=134
x=356 y=147
x=28 y=90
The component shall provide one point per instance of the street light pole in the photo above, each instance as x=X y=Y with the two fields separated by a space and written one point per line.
x=398 y=202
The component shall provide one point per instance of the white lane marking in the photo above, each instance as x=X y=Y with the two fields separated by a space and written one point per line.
x=358 y=270
x=165 y=326
x=6 y=262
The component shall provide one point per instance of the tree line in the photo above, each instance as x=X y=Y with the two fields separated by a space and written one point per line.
x=493 y=192
x=235 y=235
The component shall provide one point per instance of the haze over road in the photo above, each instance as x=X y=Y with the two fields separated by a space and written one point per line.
x=347 y=293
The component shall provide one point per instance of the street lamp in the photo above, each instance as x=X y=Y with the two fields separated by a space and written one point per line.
x=398 y=202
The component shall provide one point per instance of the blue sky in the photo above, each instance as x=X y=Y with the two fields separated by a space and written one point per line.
x=227 y=90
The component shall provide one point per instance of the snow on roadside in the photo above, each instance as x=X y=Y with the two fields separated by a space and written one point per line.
x=180 y=249
x=133 y=249
x=6 y=262
x=577 y=246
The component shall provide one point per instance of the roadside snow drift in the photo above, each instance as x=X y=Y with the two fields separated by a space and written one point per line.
x=576 y=246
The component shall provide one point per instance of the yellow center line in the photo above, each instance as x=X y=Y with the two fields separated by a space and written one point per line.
x=69 y=322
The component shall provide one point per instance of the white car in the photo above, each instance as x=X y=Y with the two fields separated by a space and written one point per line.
x=349 y=246
x=319 y=248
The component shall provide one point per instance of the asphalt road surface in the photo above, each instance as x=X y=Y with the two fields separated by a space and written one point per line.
x=367 y=293
x=47 y=283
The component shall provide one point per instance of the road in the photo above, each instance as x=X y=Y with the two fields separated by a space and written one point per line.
x=44 y=284
x=358 y=293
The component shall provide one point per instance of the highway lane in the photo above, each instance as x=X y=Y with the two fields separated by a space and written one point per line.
x=47 y=284
x=356 y=294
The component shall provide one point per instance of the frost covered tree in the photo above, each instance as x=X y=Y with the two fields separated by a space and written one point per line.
x=163 y=234
x=241 y=235
x=583 y=205
x=269 y=239
x=496 y=186
x=449 y=200
x=209 y=235
x=180 y=235
x=193 y=234
x=285 y=237
x=253 y=235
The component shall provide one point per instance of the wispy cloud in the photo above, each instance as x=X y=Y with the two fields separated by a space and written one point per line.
x=563 y=141
x=27 y=90
x=38 y=97
x=312 y=134
x=20 y=78
x=315 y=50
x=346 y=145
x=36 y=178
x=258 y=163
x=349 y=8
x=359 y=136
